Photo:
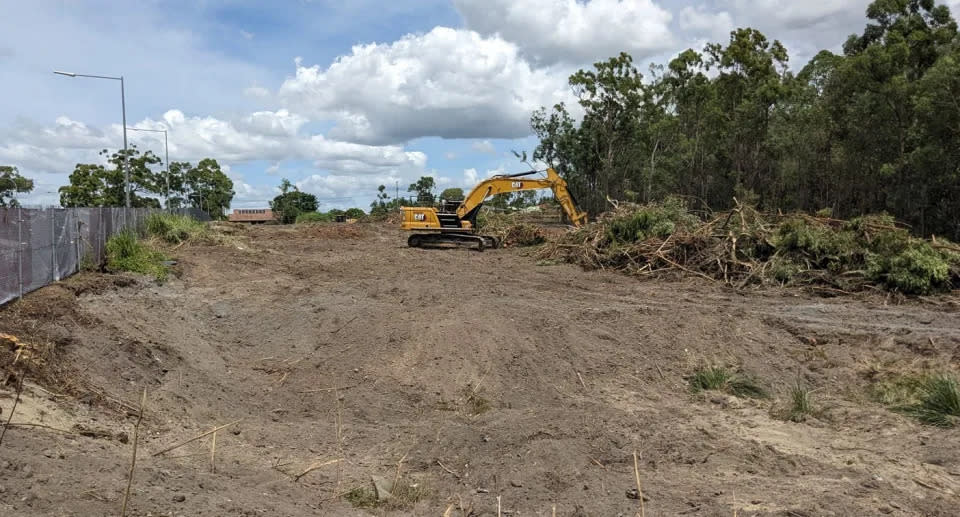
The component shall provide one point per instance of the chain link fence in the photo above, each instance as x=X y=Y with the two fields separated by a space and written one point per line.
x=40 y=246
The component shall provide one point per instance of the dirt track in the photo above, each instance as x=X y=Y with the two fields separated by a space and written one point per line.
x=488 y=375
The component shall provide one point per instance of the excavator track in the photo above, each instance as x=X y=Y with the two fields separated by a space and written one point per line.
x=432 y=240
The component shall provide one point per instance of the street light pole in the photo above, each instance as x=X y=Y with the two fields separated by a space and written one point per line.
x=123 y=106
x=166 y=152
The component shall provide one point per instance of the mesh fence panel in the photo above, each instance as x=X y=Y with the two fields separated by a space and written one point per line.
x=42 y=246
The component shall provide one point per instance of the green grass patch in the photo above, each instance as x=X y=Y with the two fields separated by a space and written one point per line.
x=125 y=252
x=175 y=228
x=939 y=402
x=314 y=217
x=932 y=399
x=719 y=378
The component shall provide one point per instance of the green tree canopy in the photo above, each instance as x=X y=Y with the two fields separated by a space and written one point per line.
x=208 y=188
x=11 y=184
x=291 y=203
x=452 y=194
x=874 y=129
x=424 y=190
x=354 y=213
x=99 y=185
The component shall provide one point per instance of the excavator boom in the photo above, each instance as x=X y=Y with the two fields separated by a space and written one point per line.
x=518 y=183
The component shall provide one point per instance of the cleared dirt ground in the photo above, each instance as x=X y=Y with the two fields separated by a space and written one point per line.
x=489 y=376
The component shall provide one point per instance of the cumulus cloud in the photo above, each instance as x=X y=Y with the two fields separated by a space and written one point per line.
x=573 y=31
x=484 y=146
x=273 y=136
x=49 y=153
x=715 y=26
x=804 y=27
x=471 y=176
x=447 y=83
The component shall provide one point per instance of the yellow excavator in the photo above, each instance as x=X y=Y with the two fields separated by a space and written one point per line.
x=458 y=226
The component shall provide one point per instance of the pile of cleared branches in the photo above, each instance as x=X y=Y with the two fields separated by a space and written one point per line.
x=511 y=232
x=744 y=247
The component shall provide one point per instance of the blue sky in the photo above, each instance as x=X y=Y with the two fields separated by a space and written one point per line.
x=338 y=96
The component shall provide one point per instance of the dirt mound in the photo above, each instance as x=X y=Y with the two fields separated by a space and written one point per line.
x=463 y=381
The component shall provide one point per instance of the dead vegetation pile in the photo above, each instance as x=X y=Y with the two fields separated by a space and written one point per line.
x=512 y=232
x=745 y=247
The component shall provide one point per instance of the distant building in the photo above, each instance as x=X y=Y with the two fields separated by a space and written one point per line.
x=251 y=215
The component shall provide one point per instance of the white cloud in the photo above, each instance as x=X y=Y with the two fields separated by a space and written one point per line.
x=448 y=83
x=450 y=155
x=804 y=27
x=50 y=153
x=273 y=170
x=573 y=31
x=471 y=176
x=246 y=35
x=713 y=25
x=483 y=146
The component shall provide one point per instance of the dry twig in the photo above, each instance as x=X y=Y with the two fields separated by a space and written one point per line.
x=133 y=460
x=636 y=471
x=195 y=438
x=16 y=399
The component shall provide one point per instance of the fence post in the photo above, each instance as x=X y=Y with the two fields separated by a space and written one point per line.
x=53 y=240
x=20 y=252
x=77 y=238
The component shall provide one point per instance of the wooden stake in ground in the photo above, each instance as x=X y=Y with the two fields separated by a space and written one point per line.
x=14 y=408
x=336 y=395
x=636 y=471
x=133 y=461
x=498 y=506
x=213 y=452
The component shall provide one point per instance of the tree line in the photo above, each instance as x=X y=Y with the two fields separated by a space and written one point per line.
x=203 y=185
x=183 y=184
x=873 y=129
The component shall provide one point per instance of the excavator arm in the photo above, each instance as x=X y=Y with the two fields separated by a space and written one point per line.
x=517 y=183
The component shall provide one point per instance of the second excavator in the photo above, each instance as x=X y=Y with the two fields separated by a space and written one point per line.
x=459 y=225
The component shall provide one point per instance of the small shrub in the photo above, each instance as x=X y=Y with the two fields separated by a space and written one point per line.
x=718 y=378
x=939 y=403
x=174 y=228
x=126 y=253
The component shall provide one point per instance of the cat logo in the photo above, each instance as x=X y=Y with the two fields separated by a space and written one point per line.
x=419 y=217
x=516 y=184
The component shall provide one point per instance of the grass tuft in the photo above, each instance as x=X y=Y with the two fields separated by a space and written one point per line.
x=403 y=496
x=125 y=252
x=719 y=378
x=939 y=403
x=174 y=228
x=801 y=403
x=362 y=497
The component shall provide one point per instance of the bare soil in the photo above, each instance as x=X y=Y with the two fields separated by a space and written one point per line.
x=489 y=379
